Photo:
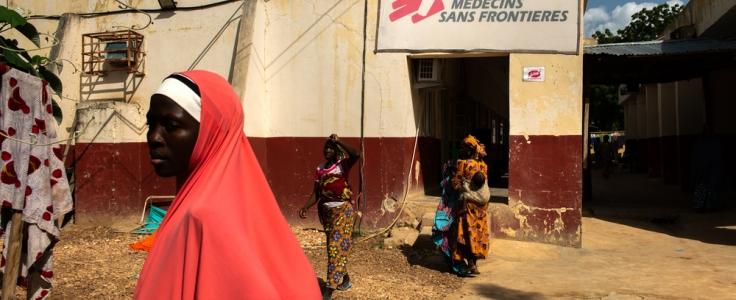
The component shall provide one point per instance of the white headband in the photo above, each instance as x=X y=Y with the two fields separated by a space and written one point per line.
x=182 y=95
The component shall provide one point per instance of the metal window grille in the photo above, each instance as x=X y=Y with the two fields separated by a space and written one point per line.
x=427 y=69
x=110 y=51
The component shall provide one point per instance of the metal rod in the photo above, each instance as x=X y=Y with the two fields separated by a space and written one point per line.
x=362 y=204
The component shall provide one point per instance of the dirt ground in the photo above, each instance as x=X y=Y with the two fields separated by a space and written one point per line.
x=640 y=241
x=616 y=262
x=94 y=262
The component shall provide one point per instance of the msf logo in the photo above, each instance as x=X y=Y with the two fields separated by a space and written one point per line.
x=418 y=9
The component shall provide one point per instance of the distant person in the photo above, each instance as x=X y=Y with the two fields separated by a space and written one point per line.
x=335 y=210
x=461 y=224
x=706 y=171
x=224 y=236
x=606 y=154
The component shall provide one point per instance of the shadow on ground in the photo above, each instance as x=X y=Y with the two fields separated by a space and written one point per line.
x=492 y=291
x=640 y=201
x=714 y=228
x=423 y=254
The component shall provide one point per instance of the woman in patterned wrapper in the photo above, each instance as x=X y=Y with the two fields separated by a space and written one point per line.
x=461 y=226
x=335 y=210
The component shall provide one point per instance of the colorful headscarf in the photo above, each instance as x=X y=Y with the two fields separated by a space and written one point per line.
x=475 y=144
x=224 y=236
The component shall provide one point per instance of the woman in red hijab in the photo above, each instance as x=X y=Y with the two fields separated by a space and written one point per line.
x=224 y=236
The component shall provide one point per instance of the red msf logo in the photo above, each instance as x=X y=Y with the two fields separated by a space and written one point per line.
x=535 y=74
x=402 y=8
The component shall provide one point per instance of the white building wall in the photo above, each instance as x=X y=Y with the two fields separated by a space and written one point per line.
x=641 y=109
x=173 y=42
x=652 y=111
x=313 y=64
x=668 y=113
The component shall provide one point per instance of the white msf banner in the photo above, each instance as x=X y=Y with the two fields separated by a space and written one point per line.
x=549 y=26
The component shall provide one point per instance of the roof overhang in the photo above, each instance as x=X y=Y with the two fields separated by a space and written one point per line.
x=656 y=61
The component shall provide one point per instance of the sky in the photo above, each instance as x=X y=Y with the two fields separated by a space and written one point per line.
x=616 y=14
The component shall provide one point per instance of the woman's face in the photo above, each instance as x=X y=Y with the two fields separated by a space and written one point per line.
x=329 y=152
x=466 y=151
x=172 y=134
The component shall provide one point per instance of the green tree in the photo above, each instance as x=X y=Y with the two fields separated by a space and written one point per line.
x=18 y=58
x=605 y=112
x=646 y=25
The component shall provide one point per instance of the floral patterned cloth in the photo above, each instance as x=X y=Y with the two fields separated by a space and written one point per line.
x=465 y=169
x=339 y=229
x=444 y=218
x=337 y=216
x=472 y=223
x=472 y=232
x=33 y=179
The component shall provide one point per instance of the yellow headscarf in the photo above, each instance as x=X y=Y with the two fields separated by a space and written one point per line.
x=473 y=142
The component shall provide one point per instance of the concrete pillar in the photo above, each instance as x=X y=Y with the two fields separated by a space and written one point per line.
x=722 y=90
x=247 y=76
x=68 y=33
x=544 y=118
x=641 y=130
x=668 y=129
x=690 y=120
x=243 y=48
x=652 y=131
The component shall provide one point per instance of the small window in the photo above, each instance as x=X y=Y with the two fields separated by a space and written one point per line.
x=117 y=51
x=427 y=70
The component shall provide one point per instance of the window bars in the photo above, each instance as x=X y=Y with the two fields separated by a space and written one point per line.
x=112 y=51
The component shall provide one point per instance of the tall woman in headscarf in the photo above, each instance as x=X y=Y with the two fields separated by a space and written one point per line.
x=461 y=226
x=224 y=236
x=335 y=210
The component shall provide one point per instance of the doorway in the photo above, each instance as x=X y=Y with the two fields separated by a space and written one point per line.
x=457 y=96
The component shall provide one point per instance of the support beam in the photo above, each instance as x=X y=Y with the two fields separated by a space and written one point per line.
x=13 y=262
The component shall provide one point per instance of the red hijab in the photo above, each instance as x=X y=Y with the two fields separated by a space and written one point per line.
x=224 y=236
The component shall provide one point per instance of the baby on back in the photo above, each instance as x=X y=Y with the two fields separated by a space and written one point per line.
x=476 y=190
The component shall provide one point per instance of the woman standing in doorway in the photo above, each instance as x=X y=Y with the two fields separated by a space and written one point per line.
x=335 y=209
x=461 y=226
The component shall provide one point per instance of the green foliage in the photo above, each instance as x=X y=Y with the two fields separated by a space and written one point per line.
x=646 y=25
x=19 y=58
x=605 y=112
x=12 y=18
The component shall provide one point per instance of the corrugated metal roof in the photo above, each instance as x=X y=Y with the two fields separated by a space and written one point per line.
x=655 y=48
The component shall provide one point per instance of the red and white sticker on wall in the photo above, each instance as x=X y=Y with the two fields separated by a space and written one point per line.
x=534 y=74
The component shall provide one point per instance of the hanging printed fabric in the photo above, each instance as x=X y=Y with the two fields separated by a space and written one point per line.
x=33 y=179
